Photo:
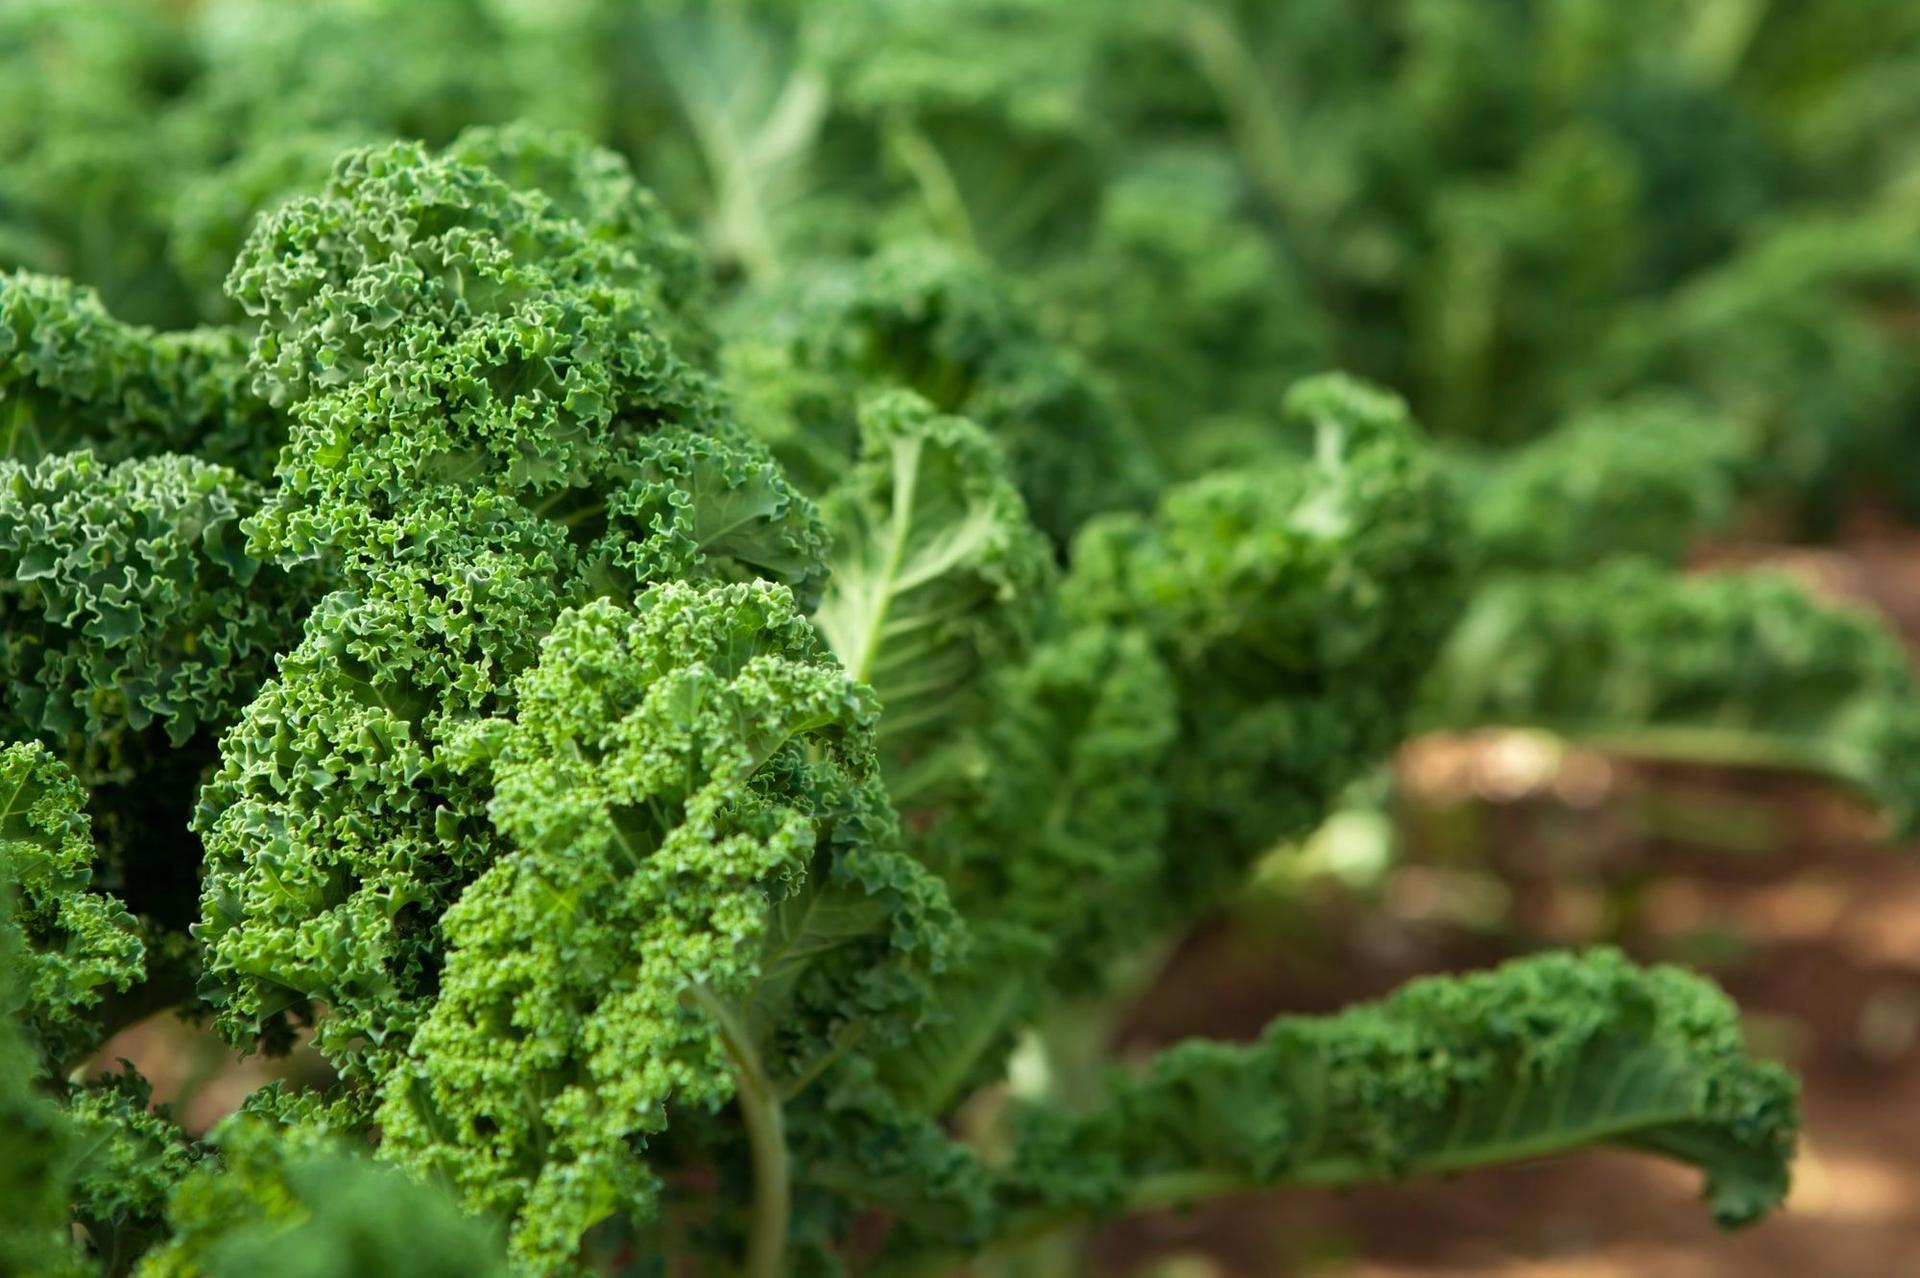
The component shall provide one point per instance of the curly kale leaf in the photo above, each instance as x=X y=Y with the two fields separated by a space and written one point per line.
x=1731 y=668
x=262 y=99
x=443 y=340
x=1213 y=678
x=596 y=188
x=700 y=506
x=335 y=833
x=300 y=1202
x=72 y=376
x=1075 y=767
x=937 y=574
x=475 y=379
x=100 y=1158
x=339 y=827
x=1053 y=841
x=1297 y=606
x=805 y=353
x=138 y=624
x=78 y=945
x=671 y=776
x=127 y=1156
x=35 y=1140
x=1542 y=1055
x=1645 y=477
x=136 y=619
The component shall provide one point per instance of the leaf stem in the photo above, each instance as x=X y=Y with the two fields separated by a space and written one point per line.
x=760 y=1113
x=1255 y=122
x=1684 y=743
x=934 y=177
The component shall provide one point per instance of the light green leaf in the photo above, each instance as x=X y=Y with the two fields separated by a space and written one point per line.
x=936 y=569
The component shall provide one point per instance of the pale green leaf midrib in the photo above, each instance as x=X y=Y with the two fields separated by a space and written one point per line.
x=883 y=589
x=936 y=561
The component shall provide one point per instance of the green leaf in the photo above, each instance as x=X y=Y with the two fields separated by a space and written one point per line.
x=1644 y=477
x=669 y=773
x=298 y=1201
x=701 y=507
x=936 y=570
x=1736 y=669
x=1296 y=605
x=804 y=354
x=78 y=944
x=72 y=376
x=35 y=1138
x=1538 y=1057
x=137 y=624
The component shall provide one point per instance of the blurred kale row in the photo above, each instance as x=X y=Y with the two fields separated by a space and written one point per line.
x=1506 y=213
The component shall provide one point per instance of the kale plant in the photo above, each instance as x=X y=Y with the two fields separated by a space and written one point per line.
x=660 y=585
